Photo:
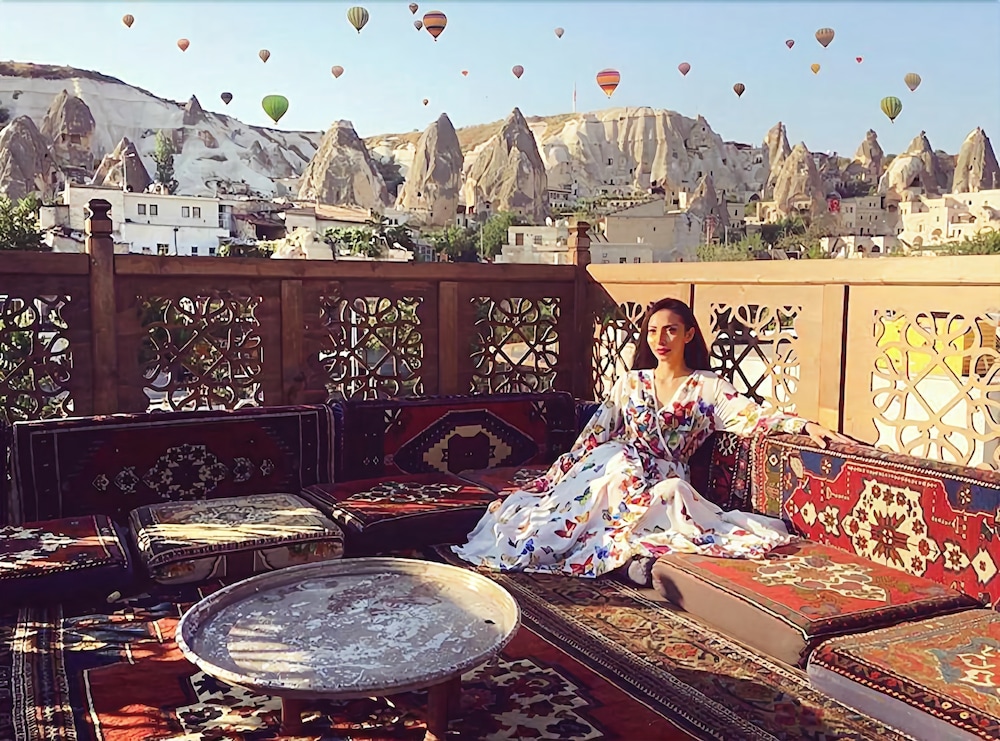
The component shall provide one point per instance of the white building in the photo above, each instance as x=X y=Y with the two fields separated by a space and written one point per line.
x=928 y=222
x=549 y=245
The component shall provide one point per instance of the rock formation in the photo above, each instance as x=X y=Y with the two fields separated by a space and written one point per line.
x=194 y=114
x=69 y=125
x=917 y=169
x=123 y=158
x=342 y=172
x=870 y=157
x=776 y=149
x=26 y=165
x=798 y=187
x=705 y=202
x=509 y=173
x=434 y=181
x=976 y=168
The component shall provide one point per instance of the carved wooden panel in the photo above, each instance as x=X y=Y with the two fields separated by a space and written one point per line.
x=616 y=337
x=44 y=349
x=923 y=373
x=369 y=341
x=514 y=346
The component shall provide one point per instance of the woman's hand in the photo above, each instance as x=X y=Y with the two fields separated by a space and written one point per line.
x=820 y=435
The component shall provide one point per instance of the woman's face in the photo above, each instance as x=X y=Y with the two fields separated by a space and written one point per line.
x=667 y=336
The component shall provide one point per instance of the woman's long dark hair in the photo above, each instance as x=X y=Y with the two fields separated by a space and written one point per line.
x=695 y=352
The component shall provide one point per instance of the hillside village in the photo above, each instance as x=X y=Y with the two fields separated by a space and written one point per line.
x=653 y=185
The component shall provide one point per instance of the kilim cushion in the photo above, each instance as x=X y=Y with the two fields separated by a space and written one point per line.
x=61 y=559
x=504 y=480
x=799 y=595
x=403 y=512
x=947 y=668
x=233 y=537
x=930 y=519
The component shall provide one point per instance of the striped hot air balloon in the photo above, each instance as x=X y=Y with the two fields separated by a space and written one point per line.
x=264 y=55
x=607 y=80
x=357 y=17
x=912 y=81
x=891 y=106
x=434 y=22
x=825 y=36
x=128 y=19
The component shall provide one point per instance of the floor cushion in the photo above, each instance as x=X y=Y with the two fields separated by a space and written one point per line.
x=61 y=559
x=233 y=537
x=935 y=679
x=799 y=595
x=401 y=512
x=504 y=480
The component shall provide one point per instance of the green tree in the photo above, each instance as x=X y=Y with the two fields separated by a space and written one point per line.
x=163 y=156
x=493 y=233
x=261 y=249
x=19 y=224
x=984 y=243
x=732 y=252
x=457 y=243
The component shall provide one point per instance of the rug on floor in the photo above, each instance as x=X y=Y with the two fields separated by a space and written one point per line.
x=114 y=673
x=710 y=685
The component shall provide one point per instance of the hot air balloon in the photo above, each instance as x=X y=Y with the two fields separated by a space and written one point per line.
x=684 y=68
x=414 y=8
x=264 y=55
x=426 y=101
x=128 y=19
x=336 y=70
x=825 y=36
x=183 y=44
x=859 y=60
x=892 y=107
x=226 y=97
x=518 y=70
x=789 y=43
x=465 y=73
x=739 y=88
x=434 y=22
x=418 y=24
x=275 y=106
x=358 y=17
x=559 y=33
x=912 y=81
x=815 y=68
x=608 y=80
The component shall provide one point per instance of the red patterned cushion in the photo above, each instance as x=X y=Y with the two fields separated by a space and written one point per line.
x=504 y=480
x=403 y=512
x=809 y=590
x=60 y=559
x=928 y=519
x=946 y=667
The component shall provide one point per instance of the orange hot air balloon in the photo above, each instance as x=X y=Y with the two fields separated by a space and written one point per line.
x=607 y=80
x=739 y=89
x=434 y=22
x=789 y=43
x=465 y=73
x=518 y=70
x=815 y=68
x=414 y=8
x=426 y=101
x=336 y=70
x=183 y=44
x=684 y=68
x=128 y=19
x=825 y=36
x=264 y=55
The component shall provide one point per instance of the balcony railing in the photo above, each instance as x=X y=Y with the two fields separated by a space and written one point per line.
x=900 y=352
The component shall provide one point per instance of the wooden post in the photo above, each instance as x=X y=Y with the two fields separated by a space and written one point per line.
x=293 y=375
x=448 y=338
x=582 y=346
x=103 y=306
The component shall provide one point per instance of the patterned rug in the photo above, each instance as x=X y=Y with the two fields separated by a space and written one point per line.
x=116 y=674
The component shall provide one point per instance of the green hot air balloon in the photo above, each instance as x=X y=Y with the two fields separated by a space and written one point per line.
x=891 y=106
x=358 y=17
x=275 y=106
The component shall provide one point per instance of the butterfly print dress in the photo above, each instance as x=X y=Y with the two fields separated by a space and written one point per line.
x=623 y=489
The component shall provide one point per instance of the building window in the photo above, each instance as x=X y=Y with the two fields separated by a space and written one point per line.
x=194 y=251
x=622 y=260
x=537 y=239
x=75 y=139
x=161 y=249
x=147 y=251
x=636 y=259
x=211 y=251
x=518 y=238
x=610 y=161
x=196 y=212
x=186 y=211
x=154 y=210
x=141 y=208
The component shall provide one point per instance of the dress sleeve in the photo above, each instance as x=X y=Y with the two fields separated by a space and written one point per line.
x=734 y=412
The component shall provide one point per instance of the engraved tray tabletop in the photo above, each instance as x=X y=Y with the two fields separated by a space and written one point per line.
x=350 y=628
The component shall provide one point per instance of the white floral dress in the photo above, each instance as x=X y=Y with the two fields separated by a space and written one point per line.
x=623 y=489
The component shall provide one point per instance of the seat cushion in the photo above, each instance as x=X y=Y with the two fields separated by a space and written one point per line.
x=61 y=559
x=798 y=595
x=504 y=480
x=234 y=537
x=402 y=512
x=948 y=668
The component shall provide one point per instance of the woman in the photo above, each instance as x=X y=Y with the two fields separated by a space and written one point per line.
x=623 y=490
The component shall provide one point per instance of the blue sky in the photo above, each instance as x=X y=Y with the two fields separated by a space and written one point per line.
x=390 y=67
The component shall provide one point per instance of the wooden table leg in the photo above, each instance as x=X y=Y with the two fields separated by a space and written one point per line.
x=454 y=696
x=291 y=716
x=439 y=700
